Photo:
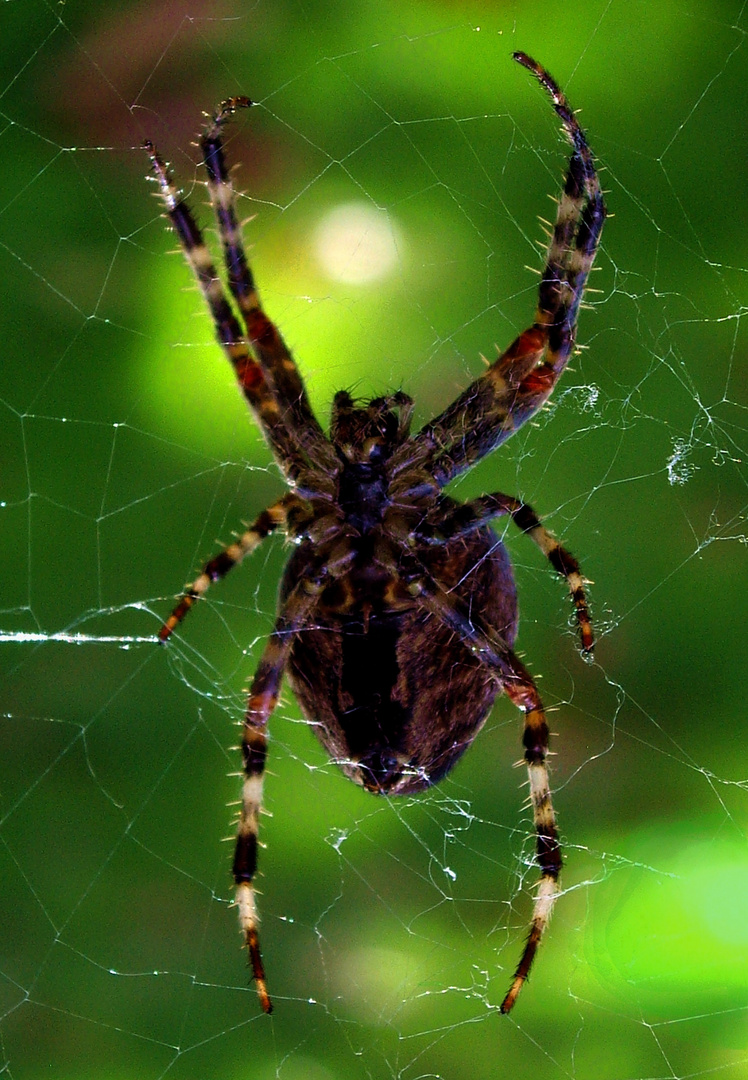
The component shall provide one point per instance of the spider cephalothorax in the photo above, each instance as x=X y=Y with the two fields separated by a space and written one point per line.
x=397 y=609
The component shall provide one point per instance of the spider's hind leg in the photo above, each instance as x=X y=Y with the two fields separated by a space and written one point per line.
x=525 y=696
x=263 y=696
x=517 y=682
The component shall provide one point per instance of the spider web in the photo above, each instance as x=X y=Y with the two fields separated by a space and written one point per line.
x=396 y=164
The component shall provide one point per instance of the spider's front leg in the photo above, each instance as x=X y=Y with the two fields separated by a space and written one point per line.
x=265 y=339
x=255 y=386
x=522 y=379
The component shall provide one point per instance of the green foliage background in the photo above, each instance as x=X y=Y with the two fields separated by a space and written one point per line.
x=390 y=929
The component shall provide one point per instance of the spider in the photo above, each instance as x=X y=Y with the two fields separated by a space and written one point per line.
x=397 y=610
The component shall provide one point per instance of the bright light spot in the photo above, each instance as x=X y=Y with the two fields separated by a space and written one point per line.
x=357 y=244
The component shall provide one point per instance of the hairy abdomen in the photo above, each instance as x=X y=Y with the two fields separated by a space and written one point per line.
x=393 y=695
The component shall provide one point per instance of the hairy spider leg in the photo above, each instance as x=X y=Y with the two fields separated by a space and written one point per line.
x=256 y=389
x=519 y=686
x=265 y=339
x=524 y=694
x=464 y=518
x=218 y=567
x=520 y=381
x=263 y=697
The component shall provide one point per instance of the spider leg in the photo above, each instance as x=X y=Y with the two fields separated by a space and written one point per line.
x=274 y=357
x=463 y=518
x=218 y=567
x=524 y=694
x=518 y=684
x=520 y=381
x=252 y=380
x=263 y=697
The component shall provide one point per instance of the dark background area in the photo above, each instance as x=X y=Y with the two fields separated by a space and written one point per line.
x=390 y=929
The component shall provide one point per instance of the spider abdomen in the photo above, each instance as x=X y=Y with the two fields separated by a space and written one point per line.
x=392 y=694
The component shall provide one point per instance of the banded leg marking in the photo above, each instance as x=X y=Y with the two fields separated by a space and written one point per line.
x=548 y=851
x=273 y=355
x=218 y=567
x=263 y=697
x=576 y=232
x=520 y=381
x=520 y=688
x=249 y=374
x=464 y=518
